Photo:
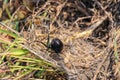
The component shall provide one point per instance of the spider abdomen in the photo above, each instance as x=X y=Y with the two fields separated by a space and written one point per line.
x=56 y=45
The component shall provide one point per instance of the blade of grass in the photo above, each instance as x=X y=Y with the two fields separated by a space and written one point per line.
x=31 y=68
x=31 y=59
x=8 y=12
x=17 y=25
x=5 y=41
x=9 y=33
x=116 y=52
x=18 y=52
x=8 y=27
x=24 y=74
x=5 y=4
x=3 y=57
x=115 y=49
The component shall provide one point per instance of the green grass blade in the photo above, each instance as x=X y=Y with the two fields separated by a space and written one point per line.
x=23 y=74
x=9 y=33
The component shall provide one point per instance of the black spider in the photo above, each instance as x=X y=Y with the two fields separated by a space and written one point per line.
x=56 y=45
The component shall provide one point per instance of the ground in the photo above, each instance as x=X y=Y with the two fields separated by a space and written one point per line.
x=88 y=29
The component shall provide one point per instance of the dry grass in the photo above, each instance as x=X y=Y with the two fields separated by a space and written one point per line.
x=89 y=31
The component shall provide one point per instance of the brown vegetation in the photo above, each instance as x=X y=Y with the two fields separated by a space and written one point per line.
x=89 y=30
